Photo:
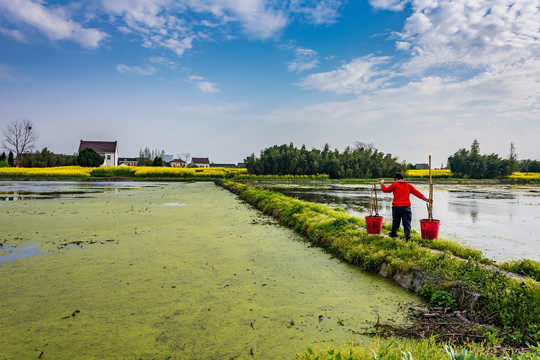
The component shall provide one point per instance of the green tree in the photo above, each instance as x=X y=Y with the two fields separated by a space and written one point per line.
x=90 y=158
x=157 y=161
x=11 y=160
x=364 y=160
x=471 y=164
x=46 y=158
x=530 y=165
x=3 y=156
x=4 y=163
x=512 y=158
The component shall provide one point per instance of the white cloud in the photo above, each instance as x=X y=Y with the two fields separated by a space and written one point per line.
x=324 y=12
x=203 y=85
x=53 y=22
x=176 y=24
x=207 y=87
x=395 y=5
x=360 y=75
x=259 y=18
x=305 y=59
x=14 y=34
x=482 y=34
x=137 y=70
x=163 y=62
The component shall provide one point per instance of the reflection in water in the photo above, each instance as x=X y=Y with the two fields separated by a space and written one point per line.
x=500 y=220
x=17 y=253
x=42 y=190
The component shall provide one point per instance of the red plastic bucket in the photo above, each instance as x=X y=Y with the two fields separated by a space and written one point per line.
x=374 y=224
x=429 y=228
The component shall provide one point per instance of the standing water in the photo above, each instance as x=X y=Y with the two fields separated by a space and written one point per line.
x=150 y=271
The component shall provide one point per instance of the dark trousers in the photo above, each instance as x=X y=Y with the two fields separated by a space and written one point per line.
x=401 y=214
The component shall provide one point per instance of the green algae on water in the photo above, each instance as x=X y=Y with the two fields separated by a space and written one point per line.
x=124 y=275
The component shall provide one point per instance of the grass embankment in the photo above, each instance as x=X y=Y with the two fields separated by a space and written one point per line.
x=122 y=172
x=485 y=293
x=402 y=349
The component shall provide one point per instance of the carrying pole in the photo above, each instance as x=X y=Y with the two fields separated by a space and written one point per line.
x=371 y=200
x=430 y=204
x=376 y=202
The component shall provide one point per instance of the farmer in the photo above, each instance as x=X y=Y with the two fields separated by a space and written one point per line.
x=401 y=204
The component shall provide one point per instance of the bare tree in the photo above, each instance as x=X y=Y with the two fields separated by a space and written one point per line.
x=185 y=157
x=360 y=145
x=20 y=137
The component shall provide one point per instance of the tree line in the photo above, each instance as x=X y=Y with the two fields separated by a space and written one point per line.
x=363 y=160
x=471 y=164
x=360 y=161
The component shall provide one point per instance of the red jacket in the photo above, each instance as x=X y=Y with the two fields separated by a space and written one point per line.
x=401 y=191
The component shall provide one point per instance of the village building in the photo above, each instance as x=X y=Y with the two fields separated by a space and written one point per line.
x=200 y=162
x=178 y=163
x=228 y=166
x=128 y=162
x=107 y=149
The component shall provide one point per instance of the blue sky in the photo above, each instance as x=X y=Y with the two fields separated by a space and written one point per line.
x=226 y=78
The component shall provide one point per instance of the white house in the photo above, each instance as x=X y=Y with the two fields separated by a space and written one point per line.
x=178 y=163
x=107 y=149
x=128 y=162
x=200 y=162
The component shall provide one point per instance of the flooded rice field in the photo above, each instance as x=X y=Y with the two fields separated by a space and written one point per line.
x=152 y=270
x=501 y=221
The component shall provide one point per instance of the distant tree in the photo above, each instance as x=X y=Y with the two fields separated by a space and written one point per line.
x=3 y=156
x=185 y=157
x=471 y=164
x=90 y=158
x=4 y=163
x=20 y=137
x=530 y=165
x=46 y=158
x=360 y=162
x=512 y=158
x=157 y=161
x=475 y=147
x=11 y=160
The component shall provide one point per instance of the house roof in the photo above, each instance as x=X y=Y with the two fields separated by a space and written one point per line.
x=177 y=161
x=224 y=165
x=99 y=146
x=200 y=161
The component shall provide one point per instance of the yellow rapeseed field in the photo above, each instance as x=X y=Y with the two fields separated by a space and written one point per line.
x=525 y=176
x=77 y=172
x=425 y=173
x=212 y=172
x=52 y=172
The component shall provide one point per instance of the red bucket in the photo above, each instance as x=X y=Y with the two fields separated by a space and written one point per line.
x=374 y=224
x=429 y=228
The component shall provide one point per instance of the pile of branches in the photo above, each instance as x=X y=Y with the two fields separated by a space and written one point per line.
x=446 y=326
